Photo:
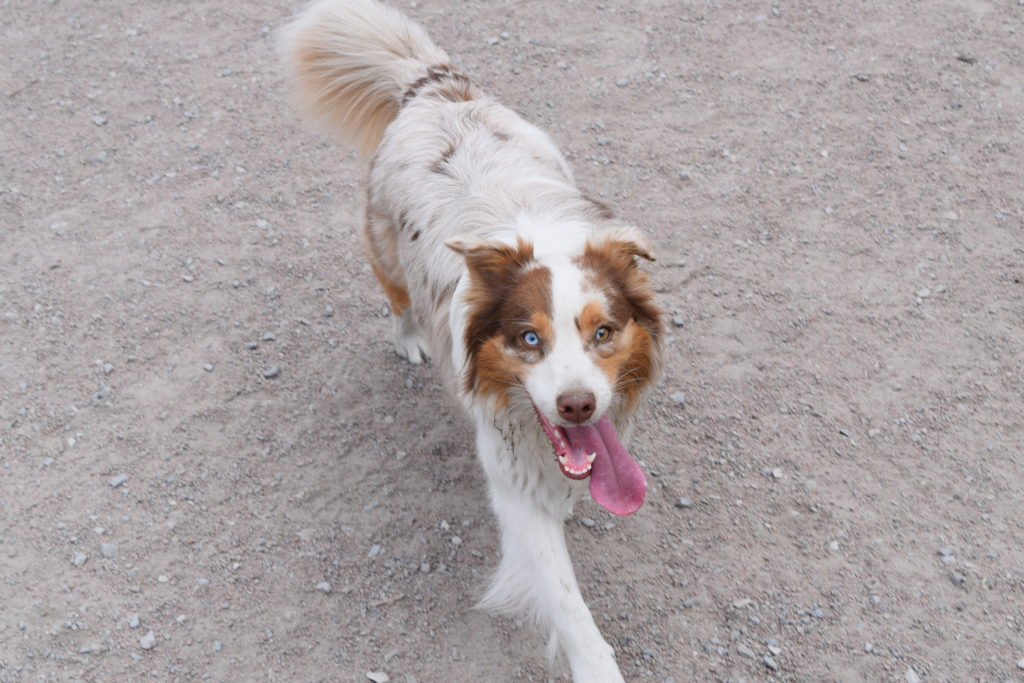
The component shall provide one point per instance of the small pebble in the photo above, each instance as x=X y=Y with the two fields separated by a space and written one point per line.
x=679 y=322
x=328 y=311
x=251 y=345
x=324 y=587
x=99 y=120
x=946 y=551
x=374 y=551
x=133 y=621
x=743 y=602
x=679 y=398
x=1020 y=663
x=148 y=641
x=588 y=522
x=268 y=336
x=910 y=676
x=208 y=367
x=187 y=278
x=745 y=651
x=216 y=646
x=108 y=550
x=107 y=368
x=833 y=546
x=378 y=676
x=272 y=372
x=78 y=559
x=118 y=480
x=684 y=503
x=456 y=540
x=958 y=578
x=770 y=663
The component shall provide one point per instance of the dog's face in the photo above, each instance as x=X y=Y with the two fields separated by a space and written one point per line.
x=573 y=338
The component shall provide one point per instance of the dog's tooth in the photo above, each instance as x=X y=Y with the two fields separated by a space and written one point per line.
x=592 y=457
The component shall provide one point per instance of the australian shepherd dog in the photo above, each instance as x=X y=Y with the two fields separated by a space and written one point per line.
x=525 y=292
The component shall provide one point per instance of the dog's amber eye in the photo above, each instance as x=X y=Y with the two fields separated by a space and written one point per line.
x=603 y=333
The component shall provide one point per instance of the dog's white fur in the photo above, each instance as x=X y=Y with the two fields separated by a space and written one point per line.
x=356 y=64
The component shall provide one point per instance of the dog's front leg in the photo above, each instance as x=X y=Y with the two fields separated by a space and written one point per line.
x=536 y=575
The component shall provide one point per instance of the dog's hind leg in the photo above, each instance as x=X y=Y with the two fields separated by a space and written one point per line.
x=381 y=252
x=536 y=574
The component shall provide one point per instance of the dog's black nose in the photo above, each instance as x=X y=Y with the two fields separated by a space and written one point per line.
x=576 y=406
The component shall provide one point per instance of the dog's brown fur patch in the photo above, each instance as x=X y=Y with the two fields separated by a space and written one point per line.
x=630 y=356
x=444 y=81
x=507 y=297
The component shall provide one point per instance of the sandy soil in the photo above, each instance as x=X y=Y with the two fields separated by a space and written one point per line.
x=835 y=193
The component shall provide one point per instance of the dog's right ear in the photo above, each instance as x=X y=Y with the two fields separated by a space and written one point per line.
x=468 y=243
x=490 y=260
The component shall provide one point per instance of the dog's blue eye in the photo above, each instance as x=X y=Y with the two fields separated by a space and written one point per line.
x=602 y=333
x=531 y=339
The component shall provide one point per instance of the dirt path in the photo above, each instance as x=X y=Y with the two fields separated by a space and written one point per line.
x=835 y=193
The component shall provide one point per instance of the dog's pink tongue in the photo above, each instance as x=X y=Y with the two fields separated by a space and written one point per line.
x=616 y=482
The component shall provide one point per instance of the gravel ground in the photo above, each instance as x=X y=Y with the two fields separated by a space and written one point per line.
x=213 y=466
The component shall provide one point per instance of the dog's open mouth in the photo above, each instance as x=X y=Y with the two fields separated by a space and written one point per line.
x=616 y=482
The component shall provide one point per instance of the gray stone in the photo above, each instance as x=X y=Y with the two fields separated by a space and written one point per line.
x=684 y=502
x=118 y=480
x=324 y=587
x=148 y=641
x=272 y=372
x=108 y=550
x=78 y=559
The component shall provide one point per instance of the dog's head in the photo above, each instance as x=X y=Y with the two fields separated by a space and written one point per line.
x=573 y=338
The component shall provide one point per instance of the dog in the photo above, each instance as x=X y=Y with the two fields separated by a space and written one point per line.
x=527 y=294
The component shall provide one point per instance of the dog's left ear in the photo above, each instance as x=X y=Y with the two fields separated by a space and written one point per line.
x=626 y=240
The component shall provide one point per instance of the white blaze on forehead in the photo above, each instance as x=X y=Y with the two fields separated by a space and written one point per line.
x=567 y=366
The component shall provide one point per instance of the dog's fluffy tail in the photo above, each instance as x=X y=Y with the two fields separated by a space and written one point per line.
x=355 y=61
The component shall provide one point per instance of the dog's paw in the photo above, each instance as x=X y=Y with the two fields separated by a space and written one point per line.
x=411 y=348
x=408 y=342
